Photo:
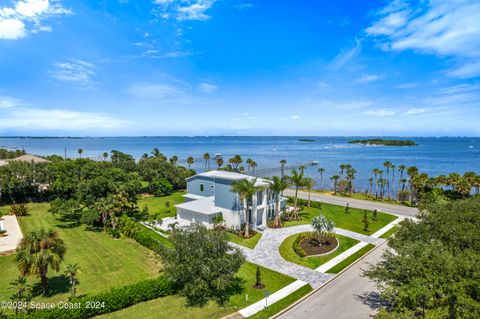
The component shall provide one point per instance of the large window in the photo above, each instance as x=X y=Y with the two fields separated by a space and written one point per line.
x=201 y=187
x=260 y=198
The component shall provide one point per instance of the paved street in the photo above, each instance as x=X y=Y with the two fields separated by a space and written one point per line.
x=357 y=203
x=343 y=298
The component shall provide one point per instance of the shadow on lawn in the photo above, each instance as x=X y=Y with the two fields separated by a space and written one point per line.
x=56 y=285
x=68 y=220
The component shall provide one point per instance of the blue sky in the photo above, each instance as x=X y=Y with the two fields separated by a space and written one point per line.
x=239 y=67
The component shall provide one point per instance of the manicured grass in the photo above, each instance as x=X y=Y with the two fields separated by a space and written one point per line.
x=249 y=243
x=287 y=252
x=174 y=306
x=390 y=232
x=351 y=220
x=104 y=262
x=362 y=196
x=282 y=303
x=158 y=204
x=350 y=259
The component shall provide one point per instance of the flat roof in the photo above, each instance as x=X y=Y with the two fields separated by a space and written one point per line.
x=205 y=206
x=231 y=176
x=193 y=196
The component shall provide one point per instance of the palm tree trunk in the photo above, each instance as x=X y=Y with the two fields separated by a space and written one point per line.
x=247 y=231
x=309 y=190
x=44 y=280
x=277 y=211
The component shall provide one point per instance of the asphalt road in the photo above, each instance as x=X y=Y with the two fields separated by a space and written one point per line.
x=357 y=203
x=348 y=296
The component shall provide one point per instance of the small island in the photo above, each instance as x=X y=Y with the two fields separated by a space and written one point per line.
x=306 y=140
x=380 y=141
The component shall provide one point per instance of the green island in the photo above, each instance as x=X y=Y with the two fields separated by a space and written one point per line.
x=306 y=140
x=380 y=141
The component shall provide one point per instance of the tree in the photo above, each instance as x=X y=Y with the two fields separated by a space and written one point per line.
x=375 y=214
x=157 y=154
x=80 y=152
x=282 y=167
x=174 y=160
x=350 y=178
x=219 y=162
x=253 y=165
x=321 y=170
x=387 y=165
x=323 y=228
x=202 y=264
x=105 y=156
x=277 y=186
x=235 y=162
x=248 y=161
x=206 y=158
x=245 y=188
x=258 y=278
x=370 y=182
x=392 y=167
x=189 y=161
x=23 y=292
x=365 y=221
x=38 y=251
x=298 y=181
x=375 y=174
x=335 y=179
x=309 y=183
x=347 y=208
x=71 y=273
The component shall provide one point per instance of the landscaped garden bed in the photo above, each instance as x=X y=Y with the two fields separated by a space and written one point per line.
x=308 y=244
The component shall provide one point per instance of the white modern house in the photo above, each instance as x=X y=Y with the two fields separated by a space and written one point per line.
x=209 y=194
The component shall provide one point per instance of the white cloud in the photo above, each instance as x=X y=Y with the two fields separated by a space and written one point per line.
x=243 y=6
x=294 y=117
x=414 y=111
x=443 y=28
x=323 y=84
x=156 y=90
x=380 y=112
x=369 y=78
x=8 y=102
x=185 y=9
x=74 y=71
x=207 y=88
x=345 y=55
x=27 y=16
x=408 y=85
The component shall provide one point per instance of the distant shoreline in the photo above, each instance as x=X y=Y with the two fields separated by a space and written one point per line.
x=384 y=142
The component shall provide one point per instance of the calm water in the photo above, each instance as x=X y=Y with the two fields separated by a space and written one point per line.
x=433 y=155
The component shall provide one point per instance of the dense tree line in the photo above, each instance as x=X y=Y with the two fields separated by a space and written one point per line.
x=6 y=154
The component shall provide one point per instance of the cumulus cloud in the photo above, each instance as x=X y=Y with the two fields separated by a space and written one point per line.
x=380 y=112
x=207 y=87
x=443 y=28
x=22 y=17
x=73 y=71
x=185 y=9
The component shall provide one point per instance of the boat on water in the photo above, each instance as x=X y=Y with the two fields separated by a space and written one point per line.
x=274 y=148
x=471 y=146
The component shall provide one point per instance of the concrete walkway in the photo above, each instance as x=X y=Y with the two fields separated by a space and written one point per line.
x=338 y=259
x=9 y=243
x=357 y=203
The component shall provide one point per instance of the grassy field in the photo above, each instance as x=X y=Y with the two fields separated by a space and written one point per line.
x=283 y=303
x=350 y=259
x=158 y=204
x=249 y=243
x=351 y=220
x=173 y=306
x=104 y=262
x=390 y=232
x=287 y=252
x=362 y=196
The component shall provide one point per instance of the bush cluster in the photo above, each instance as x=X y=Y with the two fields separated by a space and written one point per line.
x=112 y=300
x=296 y=244
x=18 y=210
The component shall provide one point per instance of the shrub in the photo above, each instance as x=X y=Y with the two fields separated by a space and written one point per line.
x=112 y=300
x=18 y=210
x=296 y=244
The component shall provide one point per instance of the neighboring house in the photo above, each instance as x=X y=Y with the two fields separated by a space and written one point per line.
x=209 y=194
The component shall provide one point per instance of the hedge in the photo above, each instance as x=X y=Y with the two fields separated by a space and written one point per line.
x=150 y=239
x=112 y=300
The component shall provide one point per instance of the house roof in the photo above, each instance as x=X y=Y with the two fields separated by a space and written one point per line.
x=204 y=206
x=193 y=196
x=30 y=158
x=232 y=176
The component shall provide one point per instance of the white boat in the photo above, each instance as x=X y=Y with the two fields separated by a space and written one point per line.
x=471 y=146
x=274 y=148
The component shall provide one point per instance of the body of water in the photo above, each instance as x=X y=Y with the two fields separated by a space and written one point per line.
x=433 y=156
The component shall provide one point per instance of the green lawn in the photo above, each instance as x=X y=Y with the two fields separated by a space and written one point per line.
x=173 y=306
x=287 y=252
x=362 y=196
x=350 y=259
x=158 y=204
x=390 y=232
x=249 y=243
x=351 y=220
x=282 y=303
x=104 y=262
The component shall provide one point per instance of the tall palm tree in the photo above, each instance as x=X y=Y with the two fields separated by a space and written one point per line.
x=219 y=162
x=174 y=159
x=278 y=185
x=392 y=166
x=342 y=168
x=321 y=170
x=375 y=173
x=297 y=180
x=190 y=161
x=248 y=161
x=370 y=181
x=387 y=165
x=253 y=165
x=412 y=172
x=105 y=156
x=23 y=291
x=38 y=251
x=335 y=179
x=282 y=164
x=80 y=152
x=309 y=183
x=71 y=273
x=350 y=178
x=235 y=161
x=246 y=189
x=206 y=157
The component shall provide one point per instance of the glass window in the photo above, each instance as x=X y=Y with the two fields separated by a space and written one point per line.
x=259 y=198
x=201 y=187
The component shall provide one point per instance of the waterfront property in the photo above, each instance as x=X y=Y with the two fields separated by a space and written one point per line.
x=209 y=195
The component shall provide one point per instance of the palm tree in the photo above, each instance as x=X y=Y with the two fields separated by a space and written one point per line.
x=80 y=152
x=245 y=188
x=335 y=179
x=248 y=161
x=375 y=173
x=282 y=163
x=190 y=161
x=309 y=183
x=278 y=186
x=387 y=165
x=350 y=178
x=321 y=170
x=38 y=251
x=71 y=273
x=105 y=156
x=23 y=291
x=174 y=159
x=370 y=181
x=206 y=157
x=342 y=168
x=235 y=161
x=219 y=162
x=412 y=172
x=253 y=165
x=401 y=169
x=156 y=152
x=392 y=166
x=298 y=181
